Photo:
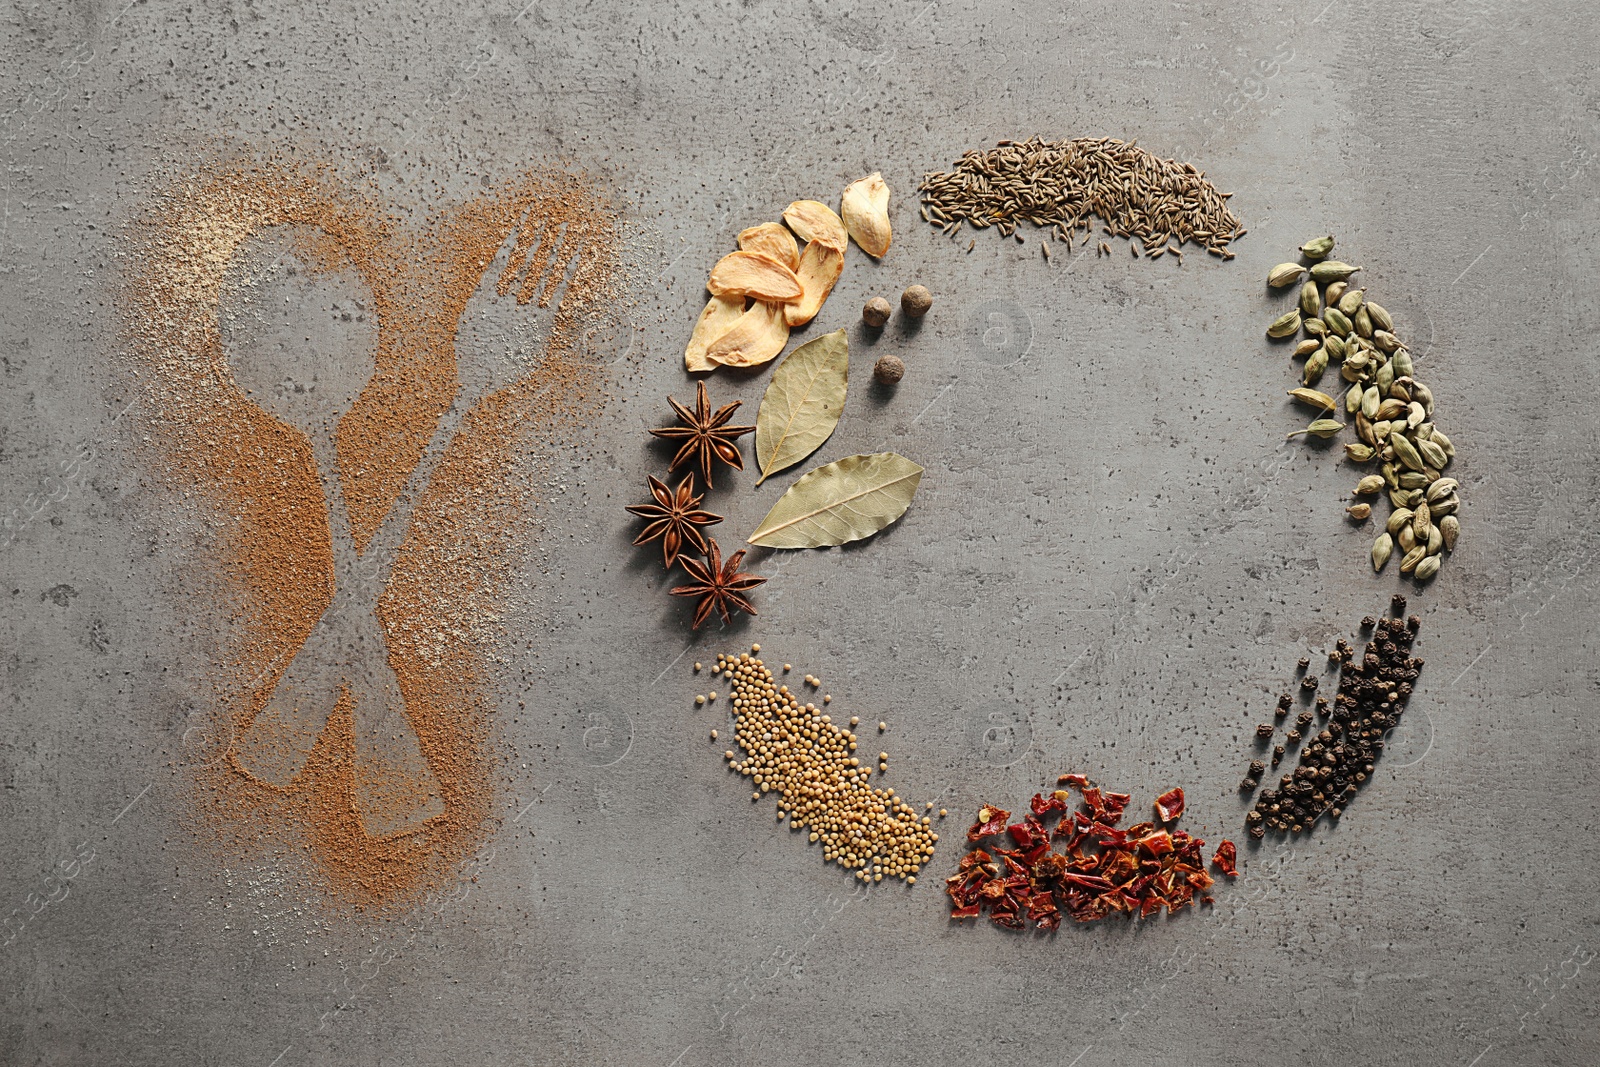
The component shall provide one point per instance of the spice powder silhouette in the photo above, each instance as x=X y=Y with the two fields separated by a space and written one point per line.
x=366 y=566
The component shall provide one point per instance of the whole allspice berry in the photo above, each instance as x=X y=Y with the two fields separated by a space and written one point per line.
x=888 y=370
x=876 y=312
x=916 y=301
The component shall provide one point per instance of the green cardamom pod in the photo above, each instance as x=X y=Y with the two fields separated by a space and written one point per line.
x=1406 y=452
x=1399 y=519
x=1450 y=529
x=1323 y=428
x=1306 y=347
x=1316 y=363
x=1386 y=341
x=1407 y=539
x=1399 y=391
x=1314 y=398
x=1403 y=366
x=1414 y=480
x=1382 y=548
x=1441 y=489
x=1369 y=402
x=1316 y=328
x=1435 y=540
x=1310 y=300
x=1388 y=409
x=1284 y=325
x=1362 y=321
x=1384 y=378
x=1372 y=483
x=1390 y=478
x=1421 y=393
x=1337 y=323
x=1400 y=498
x=1448 y=505
x=1380 y=318
x=1359 y=512
x=1358 y=452
x=1317 y=248
x=1427 y=568
x=1331 y=270
x=1334 y=292
x=1350 y=301
x=1421 y=519
x=1381 y=429
x=1432 y=454
x=1415 y=416
x=1352 y=401
x=1335 y=346
x=1414 y=557
x=1443 y=442
x=1284 y=274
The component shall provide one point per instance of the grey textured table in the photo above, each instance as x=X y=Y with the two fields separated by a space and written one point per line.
x=1112 y=565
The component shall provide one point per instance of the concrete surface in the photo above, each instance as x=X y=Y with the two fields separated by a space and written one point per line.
x=1113 y=563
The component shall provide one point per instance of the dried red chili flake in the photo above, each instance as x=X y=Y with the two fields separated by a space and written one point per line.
x=991 y=820
x=1169 y=805
x=1057 y=802
x=1100 y=869
x=1227 y=858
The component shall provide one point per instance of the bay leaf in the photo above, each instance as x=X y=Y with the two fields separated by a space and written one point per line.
x=802 y=403
x=840 y=502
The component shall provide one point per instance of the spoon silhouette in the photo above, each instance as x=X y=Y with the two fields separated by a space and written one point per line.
x=395 y=791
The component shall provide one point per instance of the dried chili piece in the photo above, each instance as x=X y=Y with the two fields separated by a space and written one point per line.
x=1042 y=807
x=991 y=820
x=1169 y=805
x=1227 y=858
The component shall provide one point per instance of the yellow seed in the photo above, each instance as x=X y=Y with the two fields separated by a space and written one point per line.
x=697 y=666
x=882 y=726
x=700 y=699
x=713 y=735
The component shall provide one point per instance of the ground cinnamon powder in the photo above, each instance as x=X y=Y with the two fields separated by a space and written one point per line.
x=255 y=481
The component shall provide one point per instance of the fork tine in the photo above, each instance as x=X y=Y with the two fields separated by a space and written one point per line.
x=548 y=249
x=562 y=278
x=529 y=238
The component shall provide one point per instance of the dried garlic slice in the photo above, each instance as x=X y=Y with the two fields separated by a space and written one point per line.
x=774 y=240
x=720 y=316
x=813 y=220
x=865 y=207
x=820 y=266
x=759 y=335
x=752 y=274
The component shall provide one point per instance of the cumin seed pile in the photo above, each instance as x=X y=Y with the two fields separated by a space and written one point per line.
x=1064 y=185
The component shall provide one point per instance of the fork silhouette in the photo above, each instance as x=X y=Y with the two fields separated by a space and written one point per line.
x=395 y=790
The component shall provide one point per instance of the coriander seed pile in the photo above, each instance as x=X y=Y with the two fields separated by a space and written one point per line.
x=794 y=750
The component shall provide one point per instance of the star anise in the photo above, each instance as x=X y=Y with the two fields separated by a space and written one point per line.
x=719 y=586
x=705 y=436
x=676 y=519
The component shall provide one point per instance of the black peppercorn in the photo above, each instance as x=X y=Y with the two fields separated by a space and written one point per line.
x=1264 y=730
x=1305 y=663
x=1398 y=603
